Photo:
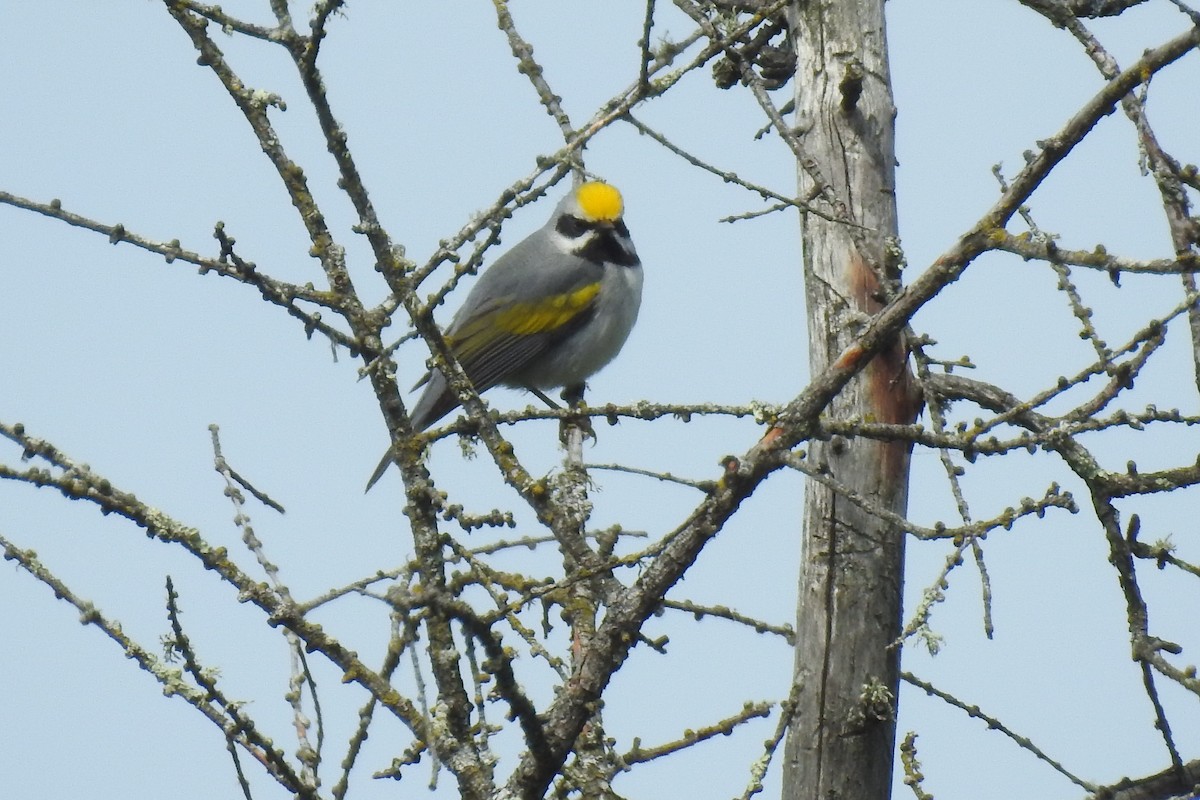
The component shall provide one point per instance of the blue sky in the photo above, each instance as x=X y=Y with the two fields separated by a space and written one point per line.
x=123 y=361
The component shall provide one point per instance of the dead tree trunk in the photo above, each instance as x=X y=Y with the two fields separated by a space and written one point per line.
x=843 y=722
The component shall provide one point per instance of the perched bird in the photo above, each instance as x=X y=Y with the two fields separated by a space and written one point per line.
x=550 y=312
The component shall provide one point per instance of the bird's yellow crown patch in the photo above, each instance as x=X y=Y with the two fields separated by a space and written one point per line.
x=599 y=201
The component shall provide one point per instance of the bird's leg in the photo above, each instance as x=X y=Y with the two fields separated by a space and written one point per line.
x=573 y=397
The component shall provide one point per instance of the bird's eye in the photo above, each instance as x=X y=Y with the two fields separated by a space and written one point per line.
x=571 y=227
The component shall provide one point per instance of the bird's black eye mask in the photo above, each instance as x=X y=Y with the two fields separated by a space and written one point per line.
x=610 y=244
x=572 y=227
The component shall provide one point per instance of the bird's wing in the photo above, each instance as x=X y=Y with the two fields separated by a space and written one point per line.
x=501 y=337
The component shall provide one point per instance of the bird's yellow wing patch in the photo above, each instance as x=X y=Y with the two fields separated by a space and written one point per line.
x=546 y=314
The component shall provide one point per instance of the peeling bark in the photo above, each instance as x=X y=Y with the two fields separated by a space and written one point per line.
x=842 y=736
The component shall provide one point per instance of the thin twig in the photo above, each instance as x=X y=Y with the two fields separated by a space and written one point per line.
x=994 y=724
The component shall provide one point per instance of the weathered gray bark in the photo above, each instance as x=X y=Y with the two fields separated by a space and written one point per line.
x=843 y=724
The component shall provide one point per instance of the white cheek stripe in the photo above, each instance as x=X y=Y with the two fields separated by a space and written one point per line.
x=570 y=246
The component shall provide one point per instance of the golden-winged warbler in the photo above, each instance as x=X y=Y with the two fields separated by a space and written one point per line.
x=550 y=312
